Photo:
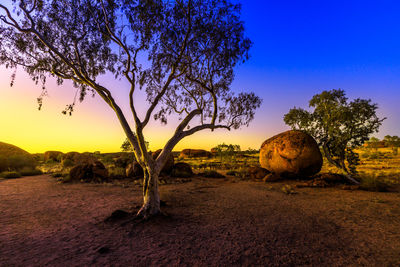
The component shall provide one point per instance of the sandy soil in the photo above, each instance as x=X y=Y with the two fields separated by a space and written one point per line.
x=211 y=222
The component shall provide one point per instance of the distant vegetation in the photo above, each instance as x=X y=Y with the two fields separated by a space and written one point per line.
x=13 y=158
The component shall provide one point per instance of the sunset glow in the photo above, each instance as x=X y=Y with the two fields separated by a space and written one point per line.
x=298 y=51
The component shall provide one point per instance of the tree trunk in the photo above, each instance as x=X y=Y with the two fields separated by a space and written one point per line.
x=339 y=166
x=151 y=197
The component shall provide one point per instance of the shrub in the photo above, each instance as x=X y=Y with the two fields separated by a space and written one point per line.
x=65 y=178
x=124 y=160
x=372 y=183
x=117 y=173
x=50 y=161
x=67 y=163
x=233 y=173
x=30 y=172
x=11 y=174
x=57 y=174
x=211 y=174
x=17 y=162
x=288 y=189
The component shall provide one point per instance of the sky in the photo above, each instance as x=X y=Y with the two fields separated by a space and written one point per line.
x=300 y=48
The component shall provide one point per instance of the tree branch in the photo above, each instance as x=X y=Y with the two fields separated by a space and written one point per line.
x=172 y=73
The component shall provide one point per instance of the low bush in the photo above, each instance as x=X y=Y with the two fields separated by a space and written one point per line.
x=233 y=173
x=288 y=189
x=17 y=162
x=30 y=172
x=117 y=173
x=9 y=175
x=374 y=184
x=211 y=174
x=67 y=163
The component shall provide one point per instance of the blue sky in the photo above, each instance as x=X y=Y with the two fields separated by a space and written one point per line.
x=303 y=47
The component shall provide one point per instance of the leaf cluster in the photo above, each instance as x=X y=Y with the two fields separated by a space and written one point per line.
x=338 y=125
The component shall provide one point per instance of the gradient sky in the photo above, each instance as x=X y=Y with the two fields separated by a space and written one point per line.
x=300 y=48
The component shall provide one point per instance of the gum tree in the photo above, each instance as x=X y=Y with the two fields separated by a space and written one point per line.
x=181 y=53
x=338 y=126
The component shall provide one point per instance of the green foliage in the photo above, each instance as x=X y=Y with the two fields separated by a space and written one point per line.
x=232 y=173
x=108 y=158
x=288 y=189
x=127 y=147
x=211 y=174
x=123 y=160
x=375 y=155
x=30 y=172
x=10 y=174
x=117 y=173
x=393 y=142
x=227 y=152
x=16 y=162
x=373 y=143
x=67 y=163
x=338 y=126
x=372 y=183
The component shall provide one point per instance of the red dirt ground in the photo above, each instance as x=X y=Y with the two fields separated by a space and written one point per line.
x=210 y=222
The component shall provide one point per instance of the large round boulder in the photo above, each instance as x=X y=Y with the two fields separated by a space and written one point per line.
x=182 y=169
x=134 y=170
x=89 y=172
x=291 y=154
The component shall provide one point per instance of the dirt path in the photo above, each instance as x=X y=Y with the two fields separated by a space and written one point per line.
x=210 y=222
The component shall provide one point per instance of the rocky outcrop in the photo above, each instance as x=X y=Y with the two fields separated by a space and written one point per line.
x=195 y=153
x=89 y=172
x=291 y=154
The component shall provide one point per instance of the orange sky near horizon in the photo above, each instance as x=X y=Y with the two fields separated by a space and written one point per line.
x=93 y=125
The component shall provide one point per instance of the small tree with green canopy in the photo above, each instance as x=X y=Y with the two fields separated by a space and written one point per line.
x=338 y=126
x=393 y=142
x=373 y=142
x=227 y=151
x=182 y=53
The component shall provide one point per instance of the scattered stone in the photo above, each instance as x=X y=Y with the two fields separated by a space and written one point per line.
x=291 y=154
x=117 y=215
x=103 y=250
